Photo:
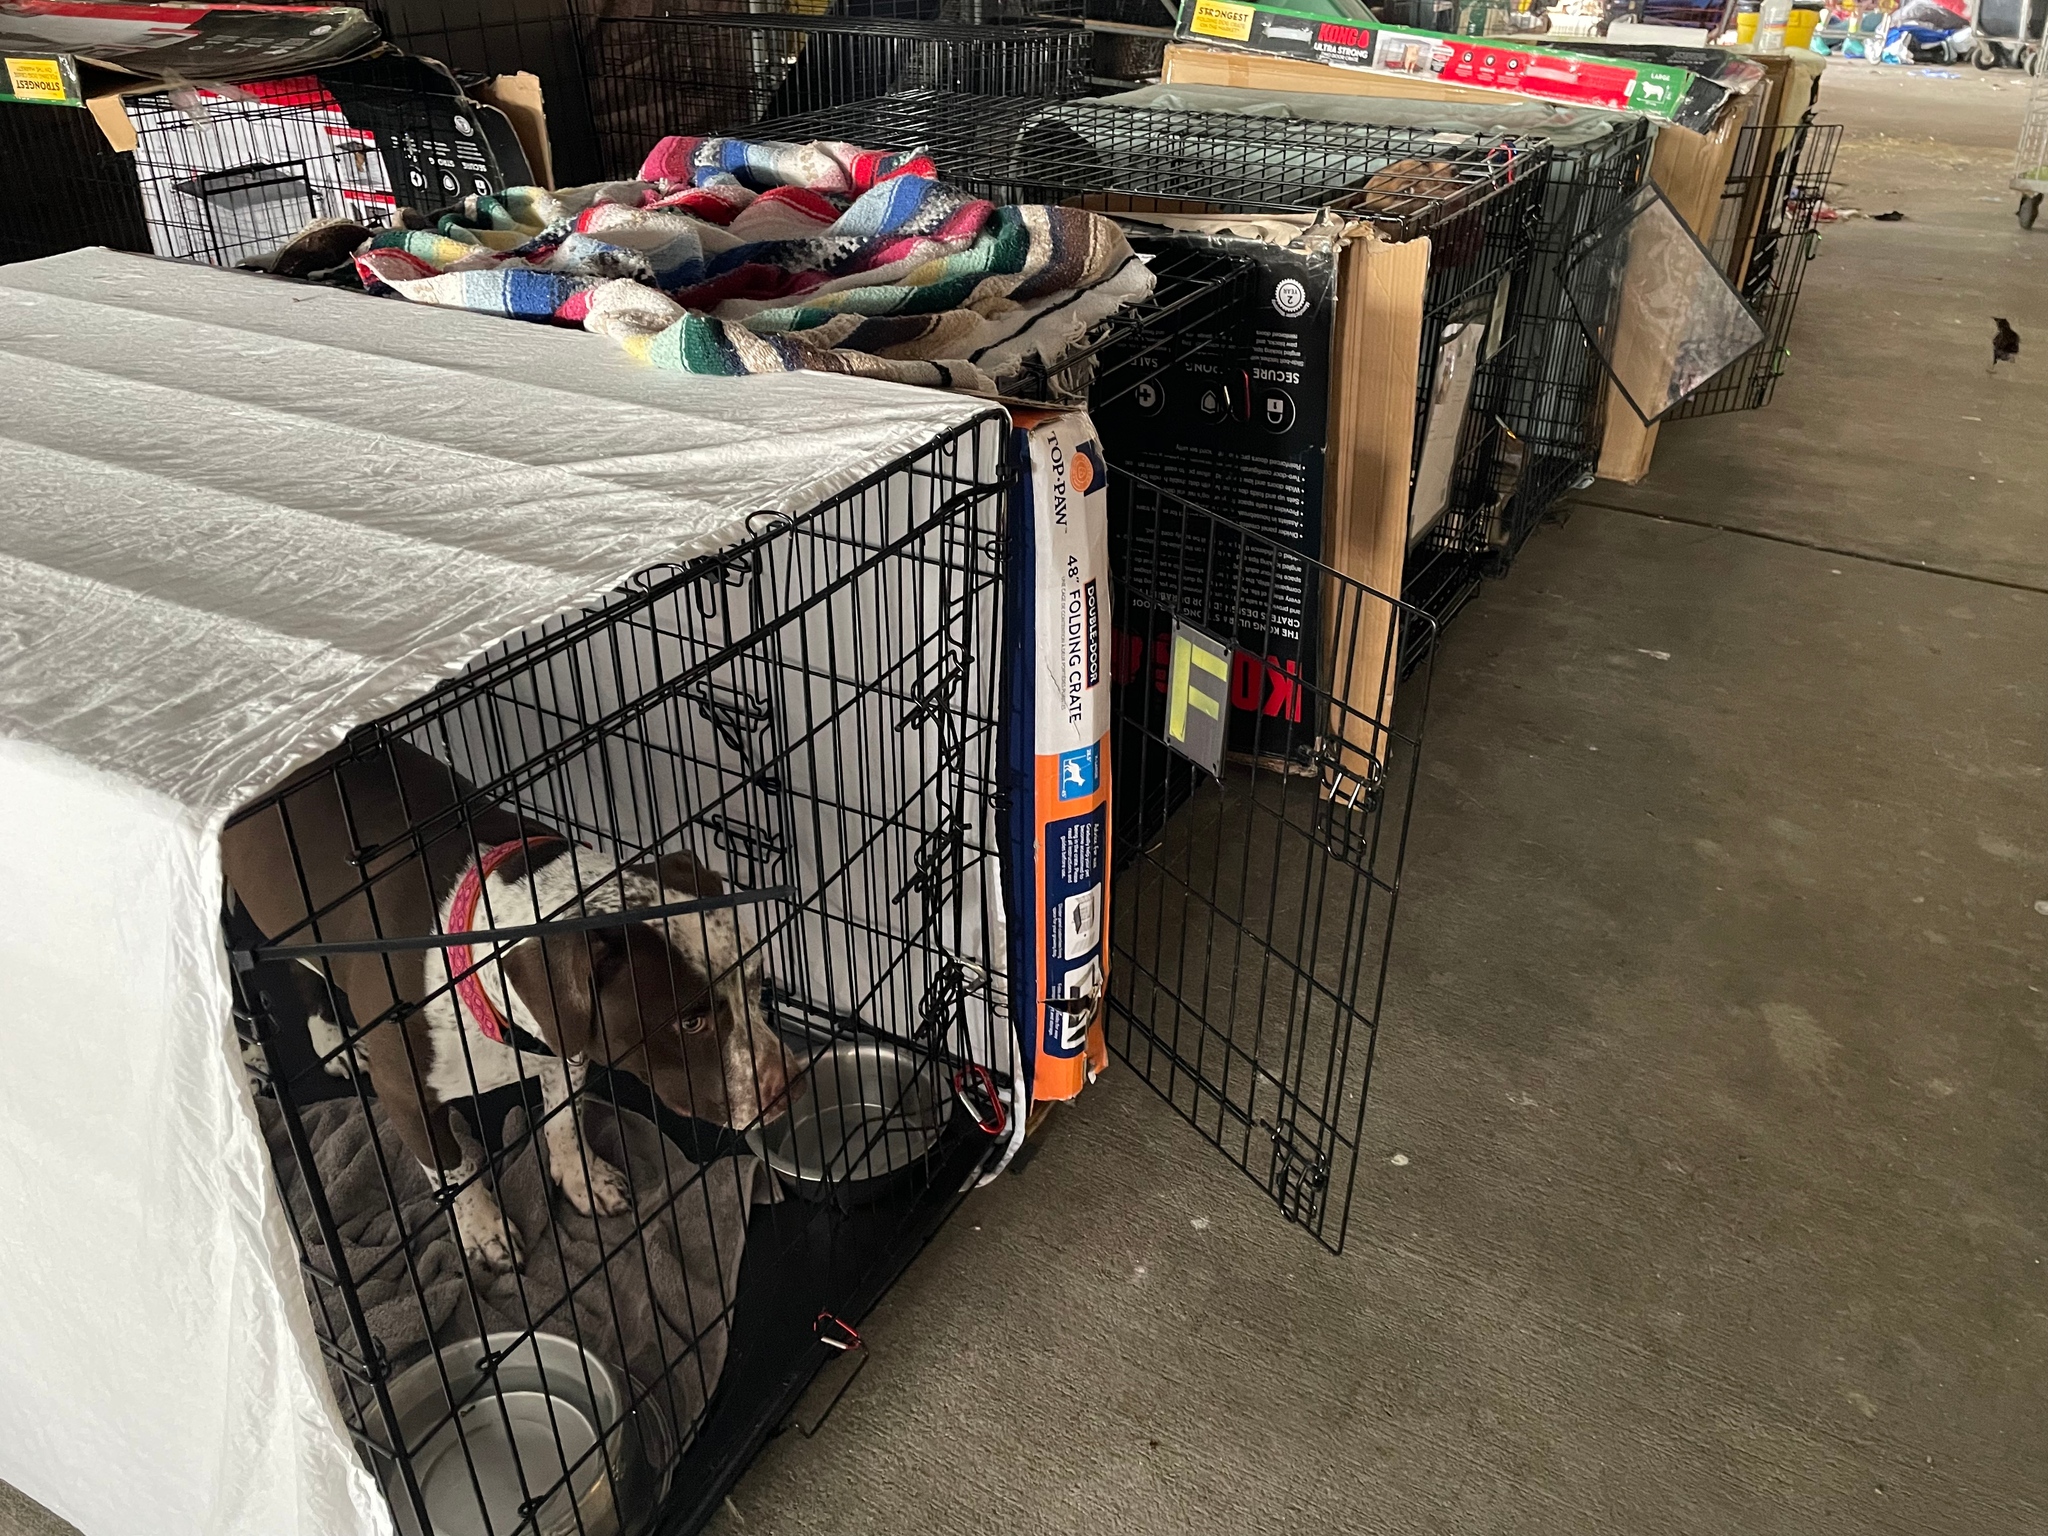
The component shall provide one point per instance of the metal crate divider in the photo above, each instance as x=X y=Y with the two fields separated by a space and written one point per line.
x=1765 y=232
x=1479 y=202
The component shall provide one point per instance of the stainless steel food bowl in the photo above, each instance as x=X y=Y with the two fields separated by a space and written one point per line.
x=864 y=1114
x=516 y=1433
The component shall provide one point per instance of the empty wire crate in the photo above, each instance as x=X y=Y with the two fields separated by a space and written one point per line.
x=704 y=71
x=1478 y=199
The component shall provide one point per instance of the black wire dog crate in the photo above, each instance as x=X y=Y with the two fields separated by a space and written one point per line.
x=627 y=1011
x=1556 y=398
x=700 y=71
x=1479 y=201
x=231 y=175
x=1766 y=230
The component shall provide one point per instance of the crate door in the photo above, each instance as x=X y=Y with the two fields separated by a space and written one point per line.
x=1262 y=783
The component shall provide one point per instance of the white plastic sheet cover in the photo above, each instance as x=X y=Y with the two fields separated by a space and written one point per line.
x=238 y=517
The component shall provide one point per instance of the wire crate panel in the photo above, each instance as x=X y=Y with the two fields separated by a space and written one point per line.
x=2030 y=159
x=701 y=72
x=753 y=898
x=1254 y=898
x=1556 y=399
x=1478 y=279
x=1169 y=161
x=1765 y=233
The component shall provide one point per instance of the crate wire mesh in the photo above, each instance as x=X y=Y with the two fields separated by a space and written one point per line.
x=807 y=713
x=1252 y=911
x=1021 y=151
x=1194 y=293
x=2030 y=158
x=1479 y=201
x=1765 y=232
x=45 y=148
x=223 y=176
x=1556 y=399
x=704 y=71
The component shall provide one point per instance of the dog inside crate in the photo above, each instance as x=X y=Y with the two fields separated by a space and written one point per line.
x=660 y=913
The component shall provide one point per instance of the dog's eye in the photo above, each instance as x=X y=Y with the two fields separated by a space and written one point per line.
x=695 y=1026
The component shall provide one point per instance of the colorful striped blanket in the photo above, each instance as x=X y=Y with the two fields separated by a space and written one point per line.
x=731 y=257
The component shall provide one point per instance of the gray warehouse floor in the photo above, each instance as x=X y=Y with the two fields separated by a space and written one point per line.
x=1715 y=1041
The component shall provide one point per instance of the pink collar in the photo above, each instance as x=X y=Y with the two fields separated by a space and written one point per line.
x=469 y=988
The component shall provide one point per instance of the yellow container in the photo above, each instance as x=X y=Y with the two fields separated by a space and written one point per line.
x=1745 y=28
x=1799 y=26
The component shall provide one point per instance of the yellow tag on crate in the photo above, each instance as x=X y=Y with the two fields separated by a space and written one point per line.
x=37 y=80
x=1219 y=18
x=1198 y=696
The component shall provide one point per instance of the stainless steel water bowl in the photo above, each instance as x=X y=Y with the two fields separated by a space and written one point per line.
x=516 y=1433
x=865 y=1112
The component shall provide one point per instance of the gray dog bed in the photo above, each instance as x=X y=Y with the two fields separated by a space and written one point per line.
x=649 y=1290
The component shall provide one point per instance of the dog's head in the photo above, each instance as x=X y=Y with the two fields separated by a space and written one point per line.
x=675 y=1001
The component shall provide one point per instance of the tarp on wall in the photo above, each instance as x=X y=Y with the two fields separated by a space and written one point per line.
x=237 y=518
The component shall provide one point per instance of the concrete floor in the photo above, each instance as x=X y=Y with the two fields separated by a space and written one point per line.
x=1715 y=1037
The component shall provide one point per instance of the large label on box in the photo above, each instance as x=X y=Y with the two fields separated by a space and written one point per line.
x=1349 y=37
x=1238 y=429
x=1057 y=753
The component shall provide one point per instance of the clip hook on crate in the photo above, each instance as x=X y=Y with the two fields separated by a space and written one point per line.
x=928 y=701
x=948 y=990
x=975 y=1087
x=850 y=1358
x=739 y=840
x=931 y=876
x=737 y=716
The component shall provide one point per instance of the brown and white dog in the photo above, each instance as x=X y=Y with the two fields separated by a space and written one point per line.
x=674 y=1001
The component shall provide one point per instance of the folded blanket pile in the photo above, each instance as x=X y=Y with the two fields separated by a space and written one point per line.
x=731 y=257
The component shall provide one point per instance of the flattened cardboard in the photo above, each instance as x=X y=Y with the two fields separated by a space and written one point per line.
x=519 y=98
x=1372 y=445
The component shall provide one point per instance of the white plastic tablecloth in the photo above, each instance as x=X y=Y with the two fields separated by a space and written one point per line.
x=237 y=518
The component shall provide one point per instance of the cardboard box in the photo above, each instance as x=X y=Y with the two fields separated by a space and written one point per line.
x=1298 y=423
x=113 y=47
x=1342 y=34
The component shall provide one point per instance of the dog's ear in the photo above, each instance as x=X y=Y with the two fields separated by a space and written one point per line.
x=558 y=979
x=680 y=877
